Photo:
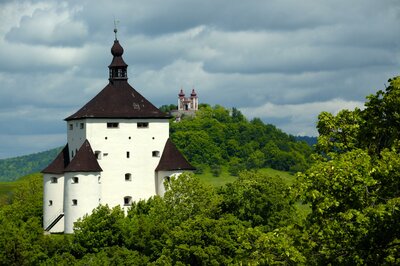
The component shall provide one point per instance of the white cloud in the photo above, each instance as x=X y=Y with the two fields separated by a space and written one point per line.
x=298 y=119
x=53 y=25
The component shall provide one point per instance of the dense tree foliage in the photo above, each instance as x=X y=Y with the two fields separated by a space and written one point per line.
x=217 y=136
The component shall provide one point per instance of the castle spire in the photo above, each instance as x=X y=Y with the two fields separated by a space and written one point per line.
x=118 y=67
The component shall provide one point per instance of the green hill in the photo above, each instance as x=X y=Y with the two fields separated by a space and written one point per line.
x=13 y=168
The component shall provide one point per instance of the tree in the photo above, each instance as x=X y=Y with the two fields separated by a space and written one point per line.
x=354 y=185
x=101 y=229
x=259 y=199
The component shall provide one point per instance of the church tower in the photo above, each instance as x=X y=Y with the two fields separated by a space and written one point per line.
x=118 y=152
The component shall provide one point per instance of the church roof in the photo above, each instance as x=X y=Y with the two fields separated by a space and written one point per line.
x=118 y=100
x=172 y=159
x=84 y=160
x=59 y=163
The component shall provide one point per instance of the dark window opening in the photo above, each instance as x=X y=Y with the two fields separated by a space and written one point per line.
x=128 y=177
x=112 y=125
x=156 y=154
x=75 y=180
x=127 y=201
x=142 y=124
x=127 y=154
x=54 y=180
x=74 y=202
x=82 y=125
x=50 y=202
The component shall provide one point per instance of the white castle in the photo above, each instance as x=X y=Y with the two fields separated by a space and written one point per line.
x=118 y=152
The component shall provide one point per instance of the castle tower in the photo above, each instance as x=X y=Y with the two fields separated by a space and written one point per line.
x=115 y=143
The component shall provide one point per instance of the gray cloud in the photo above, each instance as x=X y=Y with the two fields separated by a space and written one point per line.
x=283 y=61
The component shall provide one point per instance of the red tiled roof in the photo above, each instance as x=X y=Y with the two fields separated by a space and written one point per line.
x=84 y=160
x=172 y=159
x=118 y=100
x=59 y=163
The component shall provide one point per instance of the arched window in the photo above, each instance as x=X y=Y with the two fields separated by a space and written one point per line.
x=75 y=180
x=127 y=201
x=128 y=177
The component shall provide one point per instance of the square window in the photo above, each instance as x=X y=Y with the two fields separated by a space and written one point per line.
x=142 y=124
x=112 y=125
x=156 y=154
x=127 y=201
x=54 y=180
x=128 y=177
x=75 y=180
x=74 y=202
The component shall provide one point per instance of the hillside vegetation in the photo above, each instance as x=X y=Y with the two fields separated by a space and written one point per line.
x=13 y=168
x=218 y=137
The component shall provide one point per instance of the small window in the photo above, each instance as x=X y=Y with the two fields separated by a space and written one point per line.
x=99 y=179
x=53 y=180
x=112 y=125
x=142 y=124
x=97 y=154
x=105 y=154
x=71 y=126
x=127 y=154
x=75 y=180
x=74 y=202
x=72 y=154
x=127 y=201
x=81 y=125
x=156 y=154
x=50 y=203
x=128 y=177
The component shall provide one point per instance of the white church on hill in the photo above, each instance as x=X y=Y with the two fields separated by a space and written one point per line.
x=118 y=151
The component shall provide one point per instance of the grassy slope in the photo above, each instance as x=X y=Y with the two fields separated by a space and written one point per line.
x=225 y=177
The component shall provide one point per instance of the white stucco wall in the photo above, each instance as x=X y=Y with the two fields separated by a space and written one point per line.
x=161 y=176
x=53 y=200
x=87 y=194
x=113 y=145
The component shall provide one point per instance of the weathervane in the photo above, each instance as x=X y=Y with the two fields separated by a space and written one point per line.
x=115 y=28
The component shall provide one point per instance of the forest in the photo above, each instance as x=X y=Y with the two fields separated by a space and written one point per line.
x=351 y=187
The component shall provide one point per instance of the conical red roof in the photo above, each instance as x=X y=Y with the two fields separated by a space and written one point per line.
x=60 y=162
x=84 y=160
x=172 y=159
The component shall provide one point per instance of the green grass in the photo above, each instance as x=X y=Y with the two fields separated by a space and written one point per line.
x=225 y=177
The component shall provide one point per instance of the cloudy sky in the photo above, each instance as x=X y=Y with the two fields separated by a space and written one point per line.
x=284 y=61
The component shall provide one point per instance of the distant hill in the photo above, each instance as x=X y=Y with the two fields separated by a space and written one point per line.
x=309 y=140
x=13 y=168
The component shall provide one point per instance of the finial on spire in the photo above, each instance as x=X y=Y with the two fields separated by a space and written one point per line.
x=115 y=28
